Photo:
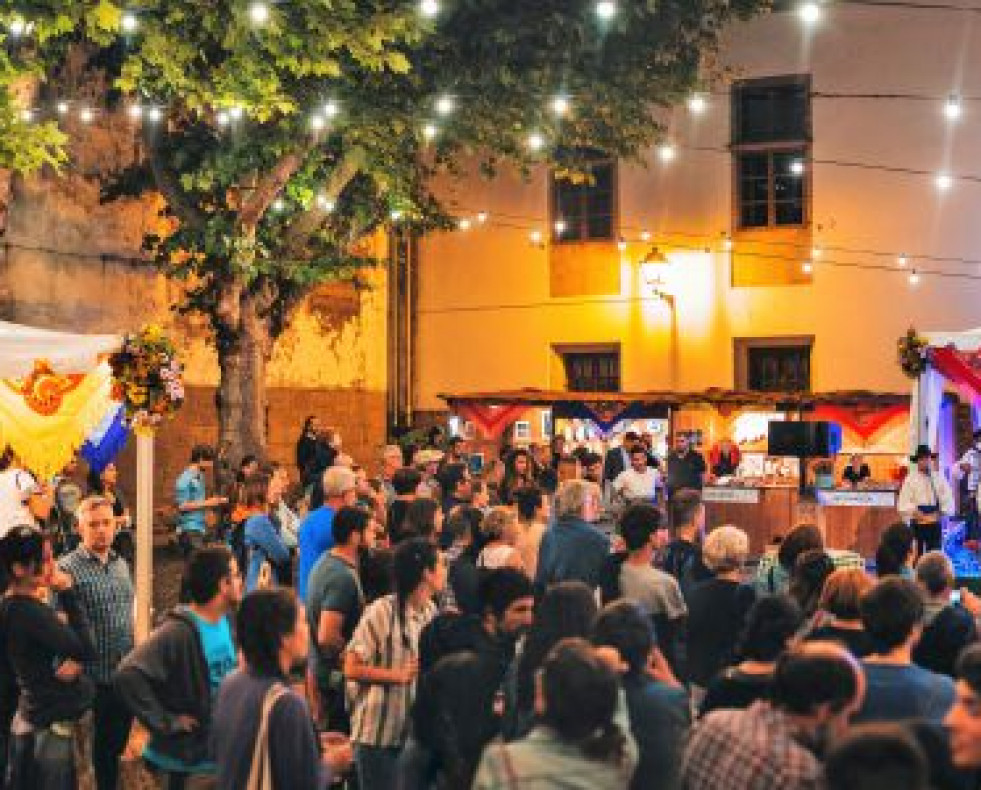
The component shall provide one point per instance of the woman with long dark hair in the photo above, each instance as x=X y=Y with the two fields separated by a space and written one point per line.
x=568 y=609
x=582 y=739
x=520 y=471
x=262 y=539
x=382 y=659
x=453 y=720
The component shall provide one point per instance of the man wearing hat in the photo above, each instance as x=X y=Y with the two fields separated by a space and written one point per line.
x=925 y=499
x=968 y=468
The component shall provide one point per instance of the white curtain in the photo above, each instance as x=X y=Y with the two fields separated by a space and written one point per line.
x=928 y=393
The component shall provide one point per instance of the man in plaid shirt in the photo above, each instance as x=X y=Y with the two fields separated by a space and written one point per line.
x=776 y=745
x=105 y=591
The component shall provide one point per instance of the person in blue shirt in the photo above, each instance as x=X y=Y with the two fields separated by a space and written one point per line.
x=573 y=548
x=193 y=501
x=264 y=542
x=316 y=532
x=170 y=681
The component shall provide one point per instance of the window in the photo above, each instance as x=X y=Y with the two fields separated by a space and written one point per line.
x=771 y=146
x=585 y=210
x=774 y=364
x=592 y=371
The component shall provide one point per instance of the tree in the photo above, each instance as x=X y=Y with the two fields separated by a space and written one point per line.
x=281 y=134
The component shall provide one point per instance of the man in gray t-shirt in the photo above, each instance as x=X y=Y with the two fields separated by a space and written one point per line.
x=334 y=604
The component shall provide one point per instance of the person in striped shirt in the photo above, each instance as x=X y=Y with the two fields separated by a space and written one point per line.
x=382 y=662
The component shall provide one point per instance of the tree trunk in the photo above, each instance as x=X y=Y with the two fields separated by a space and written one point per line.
x=243 y=350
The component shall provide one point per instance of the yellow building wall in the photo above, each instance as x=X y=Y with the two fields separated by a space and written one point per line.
x=487 y=316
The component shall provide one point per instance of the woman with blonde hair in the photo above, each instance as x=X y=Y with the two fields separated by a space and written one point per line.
x=500 y=531
x=843 y=590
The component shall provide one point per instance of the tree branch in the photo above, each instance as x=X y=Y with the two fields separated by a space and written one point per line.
x=306 y=223
x=169 y=185
x=272 y=184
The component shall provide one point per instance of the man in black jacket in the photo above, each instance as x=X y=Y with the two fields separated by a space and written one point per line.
x=169 y=682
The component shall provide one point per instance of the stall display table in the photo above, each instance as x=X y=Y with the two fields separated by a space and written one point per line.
x=855 y=518
x=763 y=512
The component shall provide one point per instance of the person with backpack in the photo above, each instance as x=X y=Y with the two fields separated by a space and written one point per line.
x=262 y=736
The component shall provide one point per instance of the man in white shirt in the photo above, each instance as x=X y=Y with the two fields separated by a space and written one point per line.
x=924 y=500
x=969 y=468
x=640 y=481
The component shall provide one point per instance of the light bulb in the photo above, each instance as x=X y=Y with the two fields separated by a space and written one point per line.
x=902 y=261
x=697 y=103
x=797 y=167
x=86 y=115
x=325 y=204
x=807 y=267
x=816 y=253
x=622 y=244
x=667 y=152
x=535 y=141
x=18 y=26
x=809 y=13
x=259 y=13
x=317 y=123
x=953 y=107
x=606 y=10
x=278 y=205
x=223 y=119
x=560 y=106
x=444 y=105
x=128 y=22
x=535 y=237
x=944 y=182
x=429 y=131
x=331 y=109
x=135 y=112
x=429 y=8
x=464 y=224
x=62 y=108
x=482 y=217
x=914 y=278
x=645 y=235
x=395 y=215
x=559 y=226
x=154 y=115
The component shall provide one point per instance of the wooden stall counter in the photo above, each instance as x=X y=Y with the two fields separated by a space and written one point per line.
x=763 y=512
x=854 y=519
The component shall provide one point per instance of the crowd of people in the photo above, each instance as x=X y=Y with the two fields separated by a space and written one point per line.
x=568 y=622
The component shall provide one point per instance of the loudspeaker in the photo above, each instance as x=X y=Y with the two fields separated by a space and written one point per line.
x=803 y=439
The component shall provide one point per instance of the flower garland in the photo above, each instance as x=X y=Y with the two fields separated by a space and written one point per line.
x=147 y=377
x=912 y=354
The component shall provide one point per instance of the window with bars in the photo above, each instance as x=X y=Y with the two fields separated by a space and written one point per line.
x=771 y=149
x=593 y=371
x=585 y=210
x=779 y=368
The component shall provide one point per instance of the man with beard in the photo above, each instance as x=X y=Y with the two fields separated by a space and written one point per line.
x=778 y=744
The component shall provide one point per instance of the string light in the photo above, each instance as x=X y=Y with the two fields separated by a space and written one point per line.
x=236 y=112
x=325 y=204
x=464 y=224
x=482 y=217
x=317 y=123
x=128 y=22
x=18 y=27
x=395 y=215
x=135 y=112
x=559 y=227
x=622 y=244
x=429 y=8
x=606 y=10
x=727 y=242
x=26 y=116
x=902 y=261
x=535 y=141
x=331 y=109
x=944 y=182
x=259 y=14
x=278 y=205
x=816 y=253
x=535 y=237
x=809 y=13
x=667 y=152
x=797 y=167
x=807 y=267
x=154 y=115
x=697 y=103
x=560 y=106
x=223 y=118
x=952 y=107
x=429 y=131
x=85 y=115
x=645 y=236
x=914 y=278
x=444 y=105
x=62 y=108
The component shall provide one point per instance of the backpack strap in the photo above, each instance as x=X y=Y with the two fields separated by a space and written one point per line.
x=260 y=774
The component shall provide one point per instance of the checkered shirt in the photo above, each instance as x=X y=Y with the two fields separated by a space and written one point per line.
x=105 y=592
x=752 y=749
